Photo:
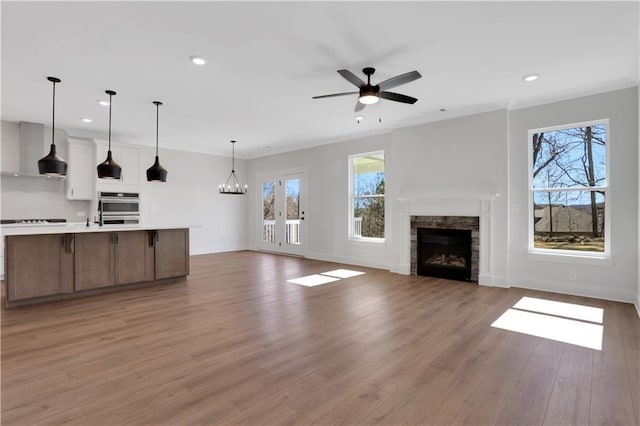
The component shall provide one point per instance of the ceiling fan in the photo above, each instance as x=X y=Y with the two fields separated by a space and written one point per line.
x=370 y=94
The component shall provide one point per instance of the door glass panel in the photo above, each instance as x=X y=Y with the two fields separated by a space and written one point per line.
x=269 y=212
x=292 y=200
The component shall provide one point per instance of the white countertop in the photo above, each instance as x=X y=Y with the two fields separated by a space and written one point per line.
x=76 y=228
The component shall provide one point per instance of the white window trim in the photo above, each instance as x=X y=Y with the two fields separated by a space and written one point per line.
x=350 y=235
x=561 y=255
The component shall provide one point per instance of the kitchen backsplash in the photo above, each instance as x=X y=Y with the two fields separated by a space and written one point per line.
x=39 y=197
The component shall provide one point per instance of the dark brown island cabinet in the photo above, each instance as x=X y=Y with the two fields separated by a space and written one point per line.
x=48 y=267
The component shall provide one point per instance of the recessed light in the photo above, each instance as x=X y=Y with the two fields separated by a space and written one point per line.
x=103 y=103
x=87 y=120
x=198 y=60
x=358 y=118
x=530 y=77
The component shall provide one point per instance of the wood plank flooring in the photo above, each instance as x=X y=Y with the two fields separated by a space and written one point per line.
x=237 y=344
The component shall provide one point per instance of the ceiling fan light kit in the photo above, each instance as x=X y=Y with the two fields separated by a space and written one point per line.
x=52 y=164
x=370 y=94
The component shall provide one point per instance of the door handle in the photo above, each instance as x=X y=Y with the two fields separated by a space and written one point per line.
x=72 y=244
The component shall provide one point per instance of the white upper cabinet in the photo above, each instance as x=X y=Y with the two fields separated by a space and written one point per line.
x=127 y=157
x=81 y=171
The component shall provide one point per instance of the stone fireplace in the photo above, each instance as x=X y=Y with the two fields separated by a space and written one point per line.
x=445 y=247
x=464 y=209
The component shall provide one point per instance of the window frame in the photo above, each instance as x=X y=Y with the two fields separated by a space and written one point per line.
x=351 y=173
x=606 y=189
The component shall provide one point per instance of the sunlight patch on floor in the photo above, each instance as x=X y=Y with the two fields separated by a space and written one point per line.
x=560 y=329
x=313 y=280
x=561 y=309
x=325 y=277
x=342 y=273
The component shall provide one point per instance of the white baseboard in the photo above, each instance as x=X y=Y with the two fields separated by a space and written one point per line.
x=637 y=303
x=486 y=280
x=348 y=260
x=575 y=288
x=216 y=249
x=501 y=281
x=401 y=269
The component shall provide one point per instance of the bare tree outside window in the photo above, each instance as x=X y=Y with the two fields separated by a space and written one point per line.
x=568 y=187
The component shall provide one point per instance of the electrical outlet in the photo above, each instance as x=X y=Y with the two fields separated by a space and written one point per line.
x=80 y=214
x=572 y=275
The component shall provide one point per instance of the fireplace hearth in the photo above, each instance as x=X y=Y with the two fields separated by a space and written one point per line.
x=445 y=247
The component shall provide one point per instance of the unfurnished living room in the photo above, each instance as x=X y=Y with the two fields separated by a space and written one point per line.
x=304 y=212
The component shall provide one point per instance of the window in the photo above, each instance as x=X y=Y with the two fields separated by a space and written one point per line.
x=568 y=175
x=366 y=189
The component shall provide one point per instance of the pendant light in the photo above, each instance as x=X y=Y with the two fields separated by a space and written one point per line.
x=53 y=164
x=231 y=186
x=109 y=169
x=157 y=172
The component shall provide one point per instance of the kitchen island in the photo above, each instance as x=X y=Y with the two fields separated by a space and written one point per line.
x=49 y=263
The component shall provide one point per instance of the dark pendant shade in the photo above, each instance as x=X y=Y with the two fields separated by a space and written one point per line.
x=157 y=172
x=52 y=164
x=109 y=169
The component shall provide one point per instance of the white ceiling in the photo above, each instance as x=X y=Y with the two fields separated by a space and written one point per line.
x=267 y=59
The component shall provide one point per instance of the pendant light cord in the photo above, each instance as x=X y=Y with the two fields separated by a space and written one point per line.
x=110 y=121
x=157 y=125
x=53 y=119
x=233 y=156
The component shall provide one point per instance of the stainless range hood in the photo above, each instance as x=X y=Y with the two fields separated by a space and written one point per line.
x=23 y=144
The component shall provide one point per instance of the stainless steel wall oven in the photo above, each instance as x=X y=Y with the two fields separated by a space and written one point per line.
x=119 y=208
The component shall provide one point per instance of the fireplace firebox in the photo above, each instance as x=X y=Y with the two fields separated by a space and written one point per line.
x=444 y=253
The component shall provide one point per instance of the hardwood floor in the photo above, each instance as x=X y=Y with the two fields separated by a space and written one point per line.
x=237 y=344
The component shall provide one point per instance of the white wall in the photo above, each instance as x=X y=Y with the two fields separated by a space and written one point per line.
x=613 y=280
x=326 y=204
x=34 y=197
x=39 y=198
x=455 y=168
x=450 y=165
x=190 y=197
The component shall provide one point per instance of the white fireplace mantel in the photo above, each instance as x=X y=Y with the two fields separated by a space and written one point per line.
x=479 y=204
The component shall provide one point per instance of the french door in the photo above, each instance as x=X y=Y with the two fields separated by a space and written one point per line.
x=281 y=221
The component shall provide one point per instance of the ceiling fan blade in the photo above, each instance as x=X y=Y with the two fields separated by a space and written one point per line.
x=399 y=79
x=397 y=97
x=355 y=80
x=359 y=106
x=334 y=95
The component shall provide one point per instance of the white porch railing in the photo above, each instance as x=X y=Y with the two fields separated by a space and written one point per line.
x=357 y=227
x=292 y=231
x=269 y=231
